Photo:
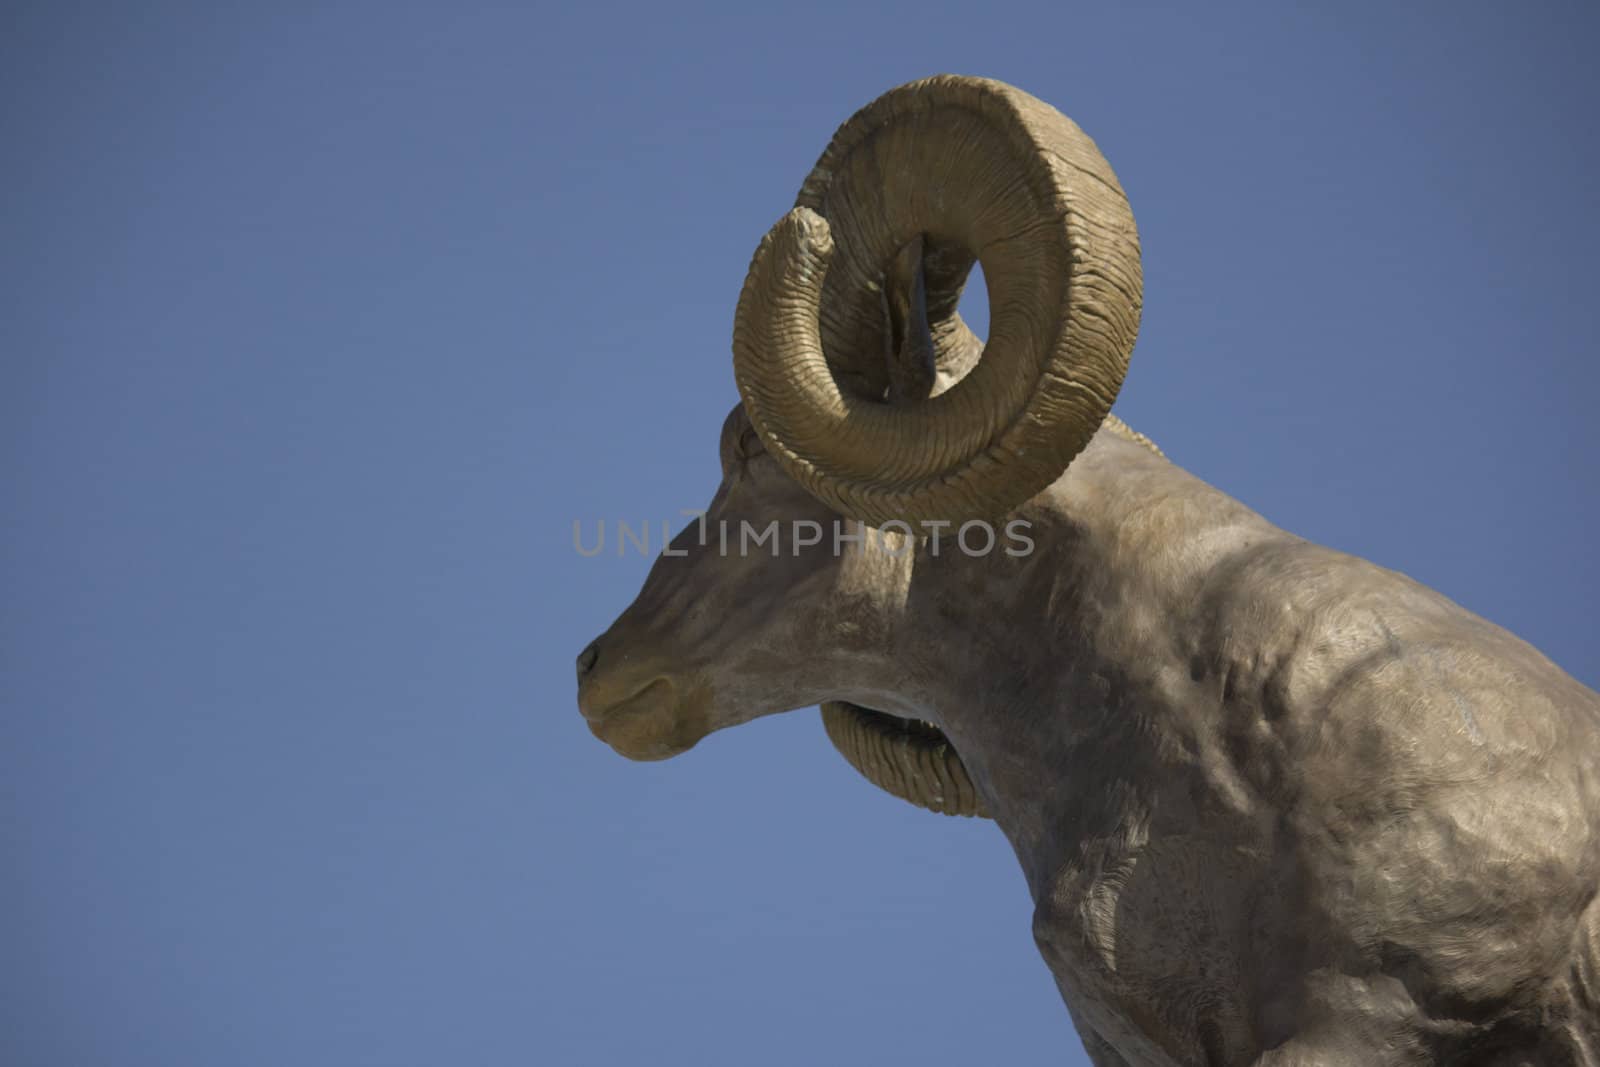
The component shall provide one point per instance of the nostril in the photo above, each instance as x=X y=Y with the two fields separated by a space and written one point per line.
x=587 y=657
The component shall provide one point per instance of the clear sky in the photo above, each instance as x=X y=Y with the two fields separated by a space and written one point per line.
x=321 y=324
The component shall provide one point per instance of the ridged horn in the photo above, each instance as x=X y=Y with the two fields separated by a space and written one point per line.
x=970 y=167
x=910 y=760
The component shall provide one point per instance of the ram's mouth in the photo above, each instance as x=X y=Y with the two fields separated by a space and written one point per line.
x=648 y=725
x=645 y=698
x=906 y=757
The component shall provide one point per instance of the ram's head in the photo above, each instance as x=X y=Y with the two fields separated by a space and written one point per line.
x=866 y=399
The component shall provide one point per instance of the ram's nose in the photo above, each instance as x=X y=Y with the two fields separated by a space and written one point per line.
x=587 y=659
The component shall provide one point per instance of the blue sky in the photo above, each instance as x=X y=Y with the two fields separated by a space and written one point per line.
x=322 y=323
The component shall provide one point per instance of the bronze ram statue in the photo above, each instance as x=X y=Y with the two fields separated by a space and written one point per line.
x=1275 y=805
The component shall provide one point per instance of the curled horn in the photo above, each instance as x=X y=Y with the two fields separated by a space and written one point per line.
x=913 y=188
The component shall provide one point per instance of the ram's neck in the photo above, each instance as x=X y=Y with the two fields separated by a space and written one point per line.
x=1073 y=656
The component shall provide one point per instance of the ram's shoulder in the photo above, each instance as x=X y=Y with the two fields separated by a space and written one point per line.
x=1332 y=654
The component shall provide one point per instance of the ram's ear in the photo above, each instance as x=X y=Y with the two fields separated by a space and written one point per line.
x=910 y=358
x=739 y=440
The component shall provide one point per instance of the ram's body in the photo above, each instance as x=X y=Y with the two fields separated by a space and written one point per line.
x=1275 y=805
x=1264 y=791
x=1266 y=795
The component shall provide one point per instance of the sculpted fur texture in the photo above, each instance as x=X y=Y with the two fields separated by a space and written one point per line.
x=1275 y=804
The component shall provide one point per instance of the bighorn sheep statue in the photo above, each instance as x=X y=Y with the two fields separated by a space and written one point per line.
x=1275 y=805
